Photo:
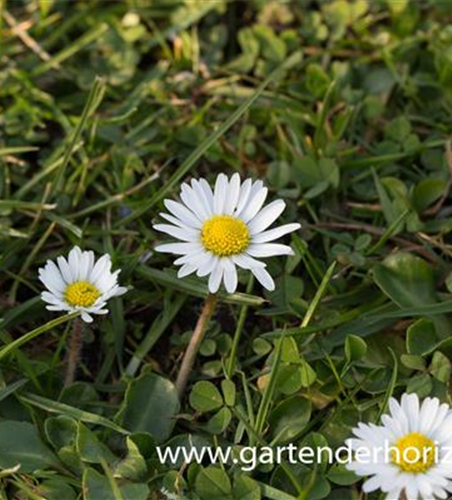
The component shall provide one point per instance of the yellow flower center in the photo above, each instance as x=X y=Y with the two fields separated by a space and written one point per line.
x=81 y=294
x=224 y=235
x=414 y=453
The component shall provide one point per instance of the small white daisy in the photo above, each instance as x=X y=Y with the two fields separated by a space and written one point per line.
x=417 y=450
x=224 y=228
x=80 y=284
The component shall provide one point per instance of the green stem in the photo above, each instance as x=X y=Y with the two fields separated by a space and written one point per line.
x=238 y=333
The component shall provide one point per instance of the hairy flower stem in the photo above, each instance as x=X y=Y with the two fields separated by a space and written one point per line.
x=403 y=496
x=195 y=343
x=75 y=349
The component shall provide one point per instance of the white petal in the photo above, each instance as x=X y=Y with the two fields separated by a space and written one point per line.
x=246 y=262
x=106 y=282
x=62 y=307
x=178 y=248
x=174 y=220
x=86 y=317
x=51 y=277
x=412 y=490
x=441 y=414
x=185 y=270
x=410 y=405
x=86 y=265
x=268 y=250
x=102 y=266
x=266 y=216
x=264 y=278
x=427 y=414
x=254 y=205
x=51 y=299
x=204 y=195
x=65 y=270
x=215 y=278
x=400 y=420
x=189 y=258
x=219 y=197
x=274 y=234
x=394 y=494
x=182 y=213
x=244 y=194
x=208 y=194
x=115 y=291
x=208 y=265
x=102 y=311
x=184 y=234
x=232 y=195
x=230 y=275
x=193 y=202
x=74 y=261
x=372 y=484
x=121 y=290
x=424 y=486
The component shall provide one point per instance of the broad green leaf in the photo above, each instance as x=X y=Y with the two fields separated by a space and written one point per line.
x=90 y=448
x=229 y=392
x=220 y=421
x=133 y=466
x=62 y=432
x=338 y=474
x=246 y=488
x=427 y=192
x=213 y=483
x=409 y=281
x=422 y=385
x=421 y=337
x=20 y=443
x=289 y=378
x=57 y=489
x=406 y=279
x=355 y=348
x=205 y=397
x=307 y=374
x=289 y=418
x=97 y=487
x=441 y=367
x=150 y=405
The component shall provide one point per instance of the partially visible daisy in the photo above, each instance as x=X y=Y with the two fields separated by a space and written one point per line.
x=223 y=229
x=80 y=284
x=418 y=441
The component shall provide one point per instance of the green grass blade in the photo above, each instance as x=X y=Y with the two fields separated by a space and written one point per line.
x=391 y=385
x=212 y=139
x=318 y=296
x=15 y=344
x=94 y=99
x=64 y=409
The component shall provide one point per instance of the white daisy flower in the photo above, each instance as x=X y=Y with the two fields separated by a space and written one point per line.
x=80 y=284
x=410 y=454
x=224 y=228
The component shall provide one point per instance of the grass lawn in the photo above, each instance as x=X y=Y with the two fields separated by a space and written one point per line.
x=342 y=108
